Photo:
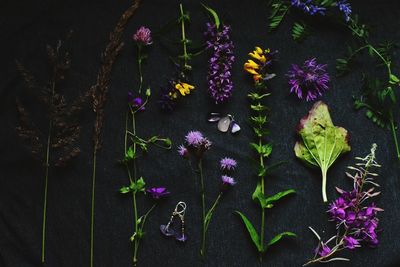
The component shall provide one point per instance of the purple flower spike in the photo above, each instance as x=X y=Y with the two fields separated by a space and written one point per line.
x=166 y=231
x=143 y=36
x=227 y=180
x=220 y=84
x=308 y=81
x=228 y=164
x=181 y=237
x=345 y=7
x=157 y=192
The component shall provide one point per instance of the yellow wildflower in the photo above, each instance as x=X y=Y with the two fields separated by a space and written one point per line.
x=184 y=88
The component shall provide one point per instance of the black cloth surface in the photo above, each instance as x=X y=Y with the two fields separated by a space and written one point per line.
x=27 y=26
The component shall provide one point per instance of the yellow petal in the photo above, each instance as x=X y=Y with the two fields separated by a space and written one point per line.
x=256 y=77
x=251 y=64
x=258 y=50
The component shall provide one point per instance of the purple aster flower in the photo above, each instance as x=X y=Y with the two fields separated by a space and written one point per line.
x=157 y=192
x=308 y=81
x=228 y=164
x=194 y=138
x=143 y=36
x=308 y=7
x=350 y=242
x=227 y=180
x=219 y=77
x=345 y=7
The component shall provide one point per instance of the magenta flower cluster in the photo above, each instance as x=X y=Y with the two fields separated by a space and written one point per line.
x=308 y=81
x=220 y=83
x=356 y=217
x=143 y=36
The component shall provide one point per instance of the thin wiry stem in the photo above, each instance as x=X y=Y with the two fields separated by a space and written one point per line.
x=203 y=207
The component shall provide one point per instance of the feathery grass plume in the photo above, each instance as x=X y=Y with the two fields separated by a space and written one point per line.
x=99 y=93
x=57 y=144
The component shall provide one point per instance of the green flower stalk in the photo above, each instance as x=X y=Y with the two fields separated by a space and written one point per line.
x=258 y=67
x=137 y=185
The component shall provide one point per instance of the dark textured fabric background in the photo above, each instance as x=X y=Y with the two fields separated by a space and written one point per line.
x=27 y=26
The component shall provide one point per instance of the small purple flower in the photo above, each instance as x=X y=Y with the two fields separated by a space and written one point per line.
x=227 y=180
x=143 y=36
x=135 y=102
x=345 y=7
x=308 y=81
x=166 y=230
x=183 y=151
x=350 y=242
x=228 y=164
x=194 y=138
x=181 y=237
x=308 y=7
x=220 y=84
x=323 y=250
x=157 y=192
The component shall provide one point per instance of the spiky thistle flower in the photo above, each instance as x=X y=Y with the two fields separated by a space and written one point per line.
x=308 y=81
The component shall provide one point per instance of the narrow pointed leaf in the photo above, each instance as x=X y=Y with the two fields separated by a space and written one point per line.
x=278 y=237
x=252 y=231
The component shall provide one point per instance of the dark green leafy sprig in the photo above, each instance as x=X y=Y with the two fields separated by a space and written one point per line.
x=300 y=31
x=263 y=150
x=279 y=10
x=377 y=97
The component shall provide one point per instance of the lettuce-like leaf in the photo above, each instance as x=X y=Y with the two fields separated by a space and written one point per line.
x=321 y=141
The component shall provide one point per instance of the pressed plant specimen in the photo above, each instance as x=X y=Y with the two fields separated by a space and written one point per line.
x=259 y=66
x=55 y=145
x=99 y=92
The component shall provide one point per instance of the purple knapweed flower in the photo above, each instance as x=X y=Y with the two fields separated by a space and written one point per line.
x=227 y=180
x=308 y=81
x=219 y=77
x=143 y=36
x=228 y=164
x=157 y=192
x=183 y=151
x=194 y=138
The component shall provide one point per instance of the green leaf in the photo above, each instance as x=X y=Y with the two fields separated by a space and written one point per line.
x=279 y=10
x=259 y=120
x=213 y=14
x=138 y=186
x=279 y=237
x=252 y=231
x=394 y=79
x=256 y=96
x=260 y=132
x=321 y=141
x=130 y=154
x=148 y=92
x=125 y=190
x=258 y=107
x=263 y=150
x=269 y=201
x=299 y=31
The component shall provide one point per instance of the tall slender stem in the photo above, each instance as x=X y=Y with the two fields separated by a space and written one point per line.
x=262 y=230
x=92 y=208
x=46 y=181
x=140 y=67
x=396 y=143
x=47 y=166
x=136 y=240
x=184 y=41
x=203 y=207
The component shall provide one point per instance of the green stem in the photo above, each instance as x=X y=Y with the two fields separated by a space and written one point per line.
x=140 y=67
x=92 y=208
x=211 y=211
x=184 y=41
x=46 y=180
x=262 y=181
x=203 y=206
x=396 y=143
x=324 y=173
x=136 y=241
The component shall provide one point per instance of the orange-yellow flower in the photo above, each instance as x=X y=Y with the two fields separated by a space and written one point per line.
x=184 y=88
